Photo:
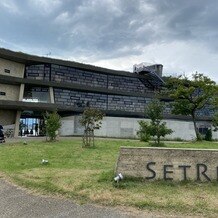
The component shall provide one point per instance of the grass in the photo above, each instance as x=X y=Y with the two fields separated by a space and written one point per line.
x=86 y=175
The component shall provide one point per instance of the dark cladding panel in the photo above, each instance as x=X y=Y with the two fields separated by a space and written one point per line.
x=76 y=76
x=80 y=99
x=127 y=103
x=38 y=72
x=100 y=101
x=205 y=111
x=128 y=84
x=64 y=74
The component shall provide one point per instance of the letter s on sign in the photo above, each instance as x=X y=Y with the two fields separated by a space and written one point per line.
x=152 y=171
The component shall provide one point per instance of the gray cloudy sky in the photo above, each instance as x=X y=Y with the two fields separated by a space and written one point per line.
x=180 y=34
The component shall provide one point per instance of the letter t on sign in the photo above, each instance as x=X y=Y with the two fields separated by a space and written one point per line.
x=184 y=167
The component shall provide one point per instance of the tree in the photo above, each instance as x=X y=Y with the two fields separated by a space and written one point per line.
x=215 y=116
x=190 y=96
x=91 y=120
x=215 y=122
x=52 y=124
x=156 y=127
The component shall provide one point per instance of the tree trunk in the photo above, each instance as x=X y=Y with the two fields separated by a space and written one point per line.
x=198 y=136
x=88 y=138
x=158 y=140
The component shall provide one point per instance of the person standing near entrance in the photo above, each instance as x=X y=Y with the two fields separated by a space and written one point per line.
x=2 y=136
x=36 y=129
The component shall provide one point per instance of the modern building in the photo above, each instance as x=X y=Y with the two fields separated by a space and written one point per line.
x=31 y=85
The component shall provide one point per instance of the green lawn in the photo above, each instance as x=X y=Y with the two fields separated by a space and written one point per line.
x=86 y=175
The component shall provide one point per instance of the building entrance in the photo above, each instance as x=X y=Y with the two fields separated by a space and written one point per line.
x=31 y=125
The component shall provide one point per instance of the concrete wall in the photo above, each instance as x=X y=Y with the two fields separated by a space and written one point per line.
x=67 y=126
x=127 y=128
x=16 y=69
x=7 y=117
x=118 y=127
x=168 y=163
x=11 y=92
x=215 y=135
x=181 y=129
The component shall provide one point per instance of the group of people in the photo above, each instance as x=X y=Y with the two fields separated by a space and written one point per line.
x=2 y=137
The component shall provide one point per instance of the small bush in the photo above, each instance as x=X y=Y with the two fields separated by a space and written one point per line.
x=156 y=128
x=142 y=134
x=52 y=123
x=208 y=136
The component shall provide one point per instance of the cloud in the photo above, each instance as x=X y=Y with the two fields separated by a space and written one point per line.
x=44 y=7
x=187 y=20
x=9 y=6
x=182 y=35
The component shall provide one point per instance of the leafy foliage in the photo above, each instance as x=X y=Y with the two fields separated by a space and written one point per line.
x=215 y=121
x=142 y=133
x=208 y=136
x=191 y=95
x=52 y=124
x=156 y=128
x=91 y=120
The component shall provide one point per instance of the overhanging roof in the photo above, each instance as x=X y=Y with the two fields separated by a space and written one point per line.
x=24 y=58
x=28 y=59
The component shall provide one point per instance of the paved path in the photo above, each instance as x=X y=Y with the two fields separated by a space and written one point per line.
x=17 y=202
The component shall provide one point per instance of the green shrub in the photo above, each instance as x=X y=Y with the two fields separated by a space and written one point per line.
x=52 y=124
x=142 y=133
x=155 y=128
x=208 y=136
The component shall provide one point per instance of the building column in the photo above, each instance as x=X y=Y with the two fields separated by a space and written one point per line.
x=18 y=114
x=51 y=94
x=22 y=86
x=17 y=124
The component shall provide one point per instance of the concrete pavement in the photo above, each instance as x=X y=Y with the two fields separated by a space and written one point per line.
x=17 y=202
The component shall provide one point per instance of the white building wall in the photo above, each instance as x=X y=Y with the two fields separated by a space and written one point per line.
x=67 y=126
x=181 y=129
x=215 y=135
x=120 y=127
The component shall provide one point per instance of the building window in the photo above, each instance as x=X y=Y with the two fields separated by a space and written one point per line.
x=2 y=93
x=36 y=94
x=7 y=71
x=203 y=130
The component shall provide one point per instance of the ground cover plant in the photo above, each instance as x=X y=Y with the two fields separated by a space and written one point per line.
x=86 y=175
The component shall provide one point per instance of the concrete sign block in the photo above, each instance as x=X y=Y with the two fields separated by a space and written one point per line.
x=168 y=164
